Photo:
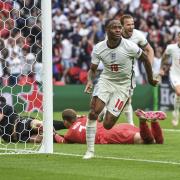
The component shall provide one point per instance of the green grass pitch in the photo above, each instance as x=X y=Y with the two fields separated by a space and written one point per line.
x=126 y=162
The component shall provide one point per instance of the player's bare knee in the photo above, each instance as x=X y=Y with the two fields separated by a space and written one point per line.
x=93 y=115
x=109 y=121
x=107 y=125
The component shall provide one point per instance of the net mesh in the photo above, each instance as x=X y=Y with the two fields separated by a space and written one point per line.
x=20 y=74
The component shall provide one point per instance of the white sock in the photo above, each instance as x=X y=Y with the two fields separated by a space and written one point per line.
x=128 y=111
x=90 y=134
x=176 y=107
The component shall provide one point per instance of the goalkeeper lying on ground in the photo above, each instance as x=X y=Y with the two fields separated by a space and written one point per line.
x=122 y=133
x=16 y=128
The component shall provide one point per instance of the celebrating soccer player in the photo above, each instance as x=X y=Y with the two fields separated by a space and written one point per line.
x=115 y=83
x=137 y=37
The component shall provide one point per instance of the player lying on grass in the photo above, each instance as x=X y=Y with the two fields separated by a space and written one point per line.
x=122 y=133
x=15 y=128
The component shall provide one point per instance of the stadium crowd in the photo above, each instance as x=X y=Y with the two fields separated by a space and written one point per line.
x=77 y=26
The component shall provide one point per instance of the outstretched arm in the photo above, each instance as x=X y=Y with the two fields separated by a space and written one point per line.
x=150 y=53
x=148 y=68
x=91 y=77
x=59 y=139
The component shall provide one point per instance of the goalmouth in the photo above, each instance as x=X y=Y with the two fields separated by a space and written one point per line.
x=26 y=32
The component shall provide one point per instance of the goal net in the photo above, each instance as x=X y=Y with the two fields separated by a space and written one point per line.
x=26 y=110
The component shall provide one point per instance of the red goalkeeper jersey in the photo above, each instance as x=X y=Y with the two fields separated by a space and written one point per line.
x=120 y=134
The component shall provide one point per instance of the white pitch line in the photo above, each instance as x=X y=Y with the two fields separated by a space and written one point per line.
x=101 y=157
x=124 y=159
x=172 y=130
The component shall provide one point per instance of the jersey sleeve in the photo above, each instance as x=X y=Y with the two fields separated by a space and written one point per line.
x=95 y=57
x=142 y=40
x=136 y=51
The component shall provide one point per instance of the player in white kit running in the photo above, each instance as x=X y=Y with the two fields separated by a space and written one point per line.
x=173 y=51
x=138 y=38
x=115 y=83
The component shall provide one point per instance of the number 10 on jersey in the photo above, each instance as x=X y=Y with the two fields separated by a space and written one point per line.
x=114 y=67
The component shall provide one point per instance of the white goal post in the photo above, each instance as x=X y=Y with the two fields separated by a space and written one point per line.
x=47 y=145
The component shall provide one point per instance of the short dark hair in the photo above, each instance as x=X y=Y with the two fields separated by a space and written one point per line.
x=69 y=115
x=107 y=22
x=125 y=16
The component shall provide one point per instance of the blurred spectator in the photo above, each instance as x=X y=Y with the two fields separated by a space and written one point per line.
x=4 y=64
x=59 y=18
x=57 y=66
x=158 y=20
x=66 y=56
x=14 y=68
x=27 y=62
x=157 y=60
x=1 y=61
x=85 y=54
x=38 y=71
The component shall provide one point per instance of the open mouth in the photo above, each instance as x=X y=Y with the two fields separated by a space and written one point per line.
x=118 y=35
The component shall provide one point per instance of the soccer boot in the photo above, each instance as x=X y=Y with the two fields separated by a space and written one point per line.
x=150 y=115
x=88 y=155
x=175 y=122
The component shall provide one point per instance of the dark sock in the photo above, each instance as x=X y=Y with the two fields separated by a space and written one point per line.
x=58 y=125
x=157 y=132
x=145 y=133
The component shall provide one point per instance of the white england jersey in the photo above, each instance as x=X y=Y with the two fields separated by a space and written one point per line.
x=173 y=50
x=118 y=62
x=138 y=38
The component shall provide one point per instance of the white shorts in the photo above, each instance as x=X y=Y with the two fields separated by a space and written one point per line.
x=174 y=79
x=112 y=95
